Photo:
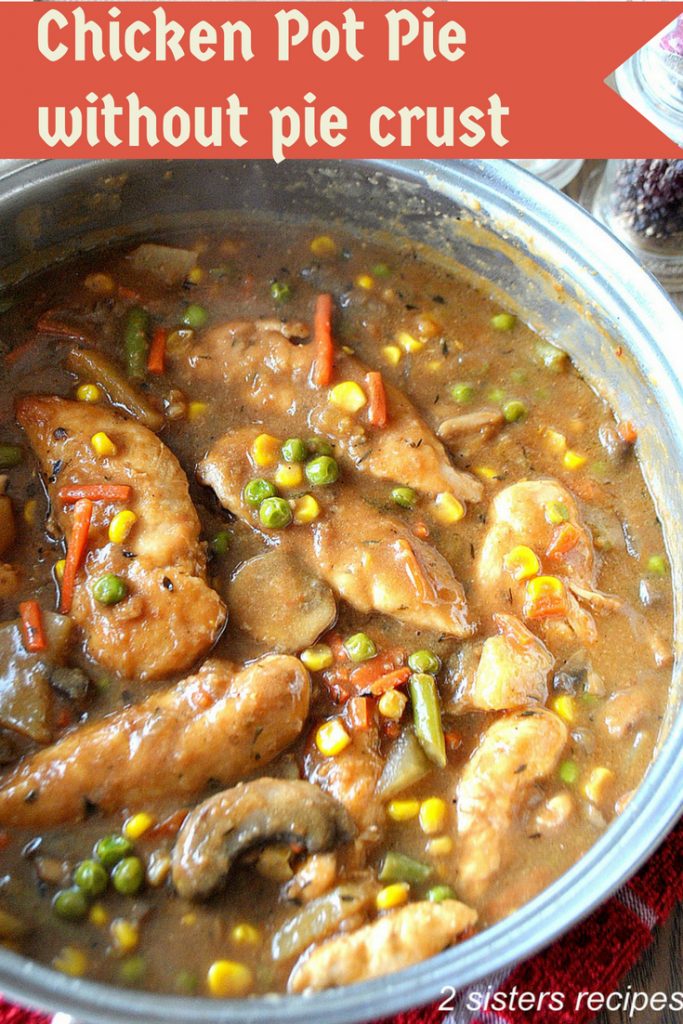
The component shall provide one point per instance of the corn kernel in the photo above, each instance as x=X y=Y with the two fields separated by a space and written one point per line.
x=121 y=525
x=189 y=919
x=98 y=915
x=125 y=934
x=448 y=509
x=365 y=282
x=265 y=450
x=195 y=410
x=434 y=365
x=323 y=245
x=409 y=343
x=403 y=810
x=432 y=814
x=392 y=896
x=556 y=513
x=246 y=934
x=522 y=563
x=557 y=442
x=317 y=658
x=598 y=784
x=196 y=275
x=100 y=284
x=274 y=863
x=428 y=327
x=486 y=472
x=440 y=846
x=29 y=511
x=348 y=350
x=392 y=354
x=348 y=396
x=565 y=707
x=572 y=460
x=289 y=475
x=546 y=597
x=228 y=979
x=306 y=509
x=89 y=393
x=59 y=569
x=137 y=825
x=72 y=961
x=392 y=704
x=102 y=445
x=331 y=737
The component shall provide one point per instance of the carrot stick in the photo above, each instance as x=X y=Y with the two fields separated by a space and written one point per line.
x=564 y=538
x=377 y=405
x=359 y=713
x=156 y=361
x=390 y=681
x=627 y=432
x=32 y=626
x=322 y=339
x=94 y=492
x=76 y=552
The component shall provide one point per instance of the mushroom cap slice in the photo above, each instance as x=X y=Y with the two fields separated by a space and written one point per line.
x=252 y=814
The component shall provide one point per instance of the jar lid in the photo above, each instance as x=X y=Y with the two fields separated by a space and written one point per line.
x=652 y=81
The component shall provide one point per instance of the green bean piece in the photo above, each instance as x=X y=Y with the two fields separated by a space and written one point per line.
x=10 y=456
x=256 y=491
x=398 y=867
x=195 y=316
x=111 y=849
x=70 y=904
x=439 y=893
x=360 y=647
x=136 y=342
x=220 y=543
x=128 y=875
x=109 y=589
x=90 y=877
x=462 y=393
x=514 y=410
x=427 y=717
x=281 y=291
x=404 y=497
x=424 y=661
x=503 y=321
x=275 y=513
x=294 y=450
x=132 y=970
x=322 y=471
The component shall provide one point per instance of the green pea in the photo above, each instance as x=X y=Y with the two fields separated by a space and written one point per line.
x=256 y=491
x=70 y=904
x=128 y=876
x=195 y=316
x=404 y=496
x=281 y=291
x=360 y=647
x=220 y=544
x=439 y=893
x=294 y=450
x=514 y=410
x=518 y=376
x=109 y=589
x=569 y=772
x=503 y=321
x=275 y=513
x=462 y=393
x=381 y=270
x=319 y=446
x=186 y=983
x=656 y=565
x=10 y=456
x=322 y=471
x=90 y=877
x=111 y=849
x=132 y=970
x=424 y=661
x=496 y=395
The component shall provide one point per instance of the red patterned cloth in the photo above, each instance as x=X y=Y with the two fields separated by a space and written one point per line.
x=605 y=945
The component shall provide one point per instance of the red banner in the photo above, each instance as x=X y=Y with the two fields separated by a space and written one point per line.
x=323 y=79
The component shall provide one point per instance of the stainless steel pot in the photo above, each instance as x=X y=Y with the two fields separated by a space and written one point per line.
x=577 y=285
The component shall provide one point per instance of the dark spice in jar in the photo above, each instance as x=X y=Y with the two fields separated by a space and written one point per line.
x=649 y=196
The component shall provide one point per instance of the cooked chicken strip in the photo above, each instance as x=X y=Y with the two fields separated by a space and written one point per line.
x=515 y=752
x=351 y=778
x=171 y=616
x=380 y=567
x=391 y=943
x=271 y=375
x=219 y=724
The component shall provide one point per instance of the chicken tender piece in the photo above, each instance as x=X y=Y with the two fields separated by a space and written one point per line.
x=514 y=753
x=377 y=565
x=397 y=940
x=512 y=672
x=220 y=724
x=270 y=370
x=171 y=616
x=351 y=778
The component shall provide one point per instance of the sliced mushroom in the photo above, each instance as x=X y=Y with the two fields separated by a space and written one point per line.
x=252 y=814
x=278 y=602
x=488 y=420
